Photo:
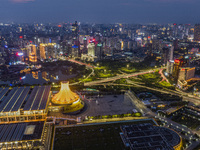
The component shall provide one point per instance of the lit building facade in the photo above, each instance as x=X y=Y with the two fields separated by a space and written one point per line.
x=75 y=51
x=33 y=53
x=170 y=66
x=186 y=73
x=197 y=32
x=177 y=64
x=99 y=51
x=91 y=49
x=66 y=100
x=42 y=52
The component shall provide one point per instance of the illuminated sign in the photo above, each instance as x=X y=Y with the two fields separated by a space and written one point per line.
x=20 y=54
x=186 y=57
x=74 y=46
x=177 y=61
x=22 y=77
x=99 y=44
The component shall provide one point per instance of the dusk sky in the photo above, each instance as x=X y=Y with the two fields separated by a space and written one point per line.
x=100 y=11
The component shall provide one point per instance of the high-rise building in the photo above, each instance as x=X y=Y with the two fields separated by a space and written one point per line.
x=75 y=34
x=33 y=53
x=75 y=51
x=171 y=55
x=165 y=55
x=75 y=30
x=99 y=51
x=85 y=42
x=170 y=66
x=51 y=51
x=197 y=32
x=91 y=49
x=42 y=52
x=177 y=64
x=186 y=73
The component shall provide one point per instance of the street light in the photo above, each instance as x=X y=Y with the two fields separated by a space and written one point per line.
x=127 y=65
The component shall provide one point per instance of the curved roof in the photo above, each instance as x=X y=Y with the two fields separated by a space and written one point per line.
x=65 y=95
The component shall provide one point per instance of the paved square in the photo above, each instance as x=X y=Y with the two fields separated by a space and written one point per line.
x=108 y=105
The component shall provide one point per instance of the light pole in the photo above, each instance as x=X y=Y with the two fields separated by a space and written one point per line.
x=127 y=66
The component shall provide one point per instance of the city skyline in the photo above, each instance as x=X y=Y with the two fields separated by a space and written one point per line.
x=128 y=11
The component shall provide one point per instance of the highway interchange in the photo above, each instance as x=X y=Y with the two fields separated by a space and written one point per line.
x=147 y=112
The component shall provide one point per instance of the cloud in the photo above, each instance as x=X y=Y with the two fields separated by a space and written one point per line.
x=21 y=1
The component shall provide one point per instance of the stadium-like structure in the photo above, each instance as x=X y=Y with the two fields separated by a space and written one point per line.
x=70 y=101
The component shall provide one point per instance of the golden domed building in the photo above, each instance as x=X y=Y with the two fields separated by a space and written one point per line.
x=70 y=101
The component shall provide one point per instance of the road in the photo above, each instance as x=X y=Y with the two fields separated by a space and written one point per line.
x=92 y=73
x=117 y=77
x=162 y=75
x=81 y=63
x=142 y=107
x=184 y=95
x=176 y=126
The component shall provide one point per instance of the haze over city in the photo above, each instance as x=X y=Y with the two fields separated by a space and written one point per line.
x=104 y=11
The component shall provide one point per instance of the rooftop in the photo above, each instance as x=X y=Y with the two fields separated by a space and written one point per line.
x=12 y=101
x=148 y=137
x=18 y=131
x=65 y=95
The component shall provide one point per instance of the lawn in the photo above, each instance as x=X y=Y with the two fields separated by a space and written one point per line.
x=92 y=137
x=104 y=75
x=165 y=84
x=151 y=77
x=128 y=70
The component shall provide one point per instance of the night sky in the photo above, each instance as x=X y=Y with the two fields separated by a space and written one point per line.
x=100 y=11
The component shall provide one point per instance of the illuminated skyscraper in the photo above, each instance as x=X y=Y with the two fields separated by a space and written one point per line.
x=91 y=49
x=99 y=51
x=75 y=30
x=33 y=54
x=75 y=51
x=170 y=66
x=51 y=51
x=197 y=32
x=75 y=34
x=42 y=51
x=85 y=42
x=186 y=73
